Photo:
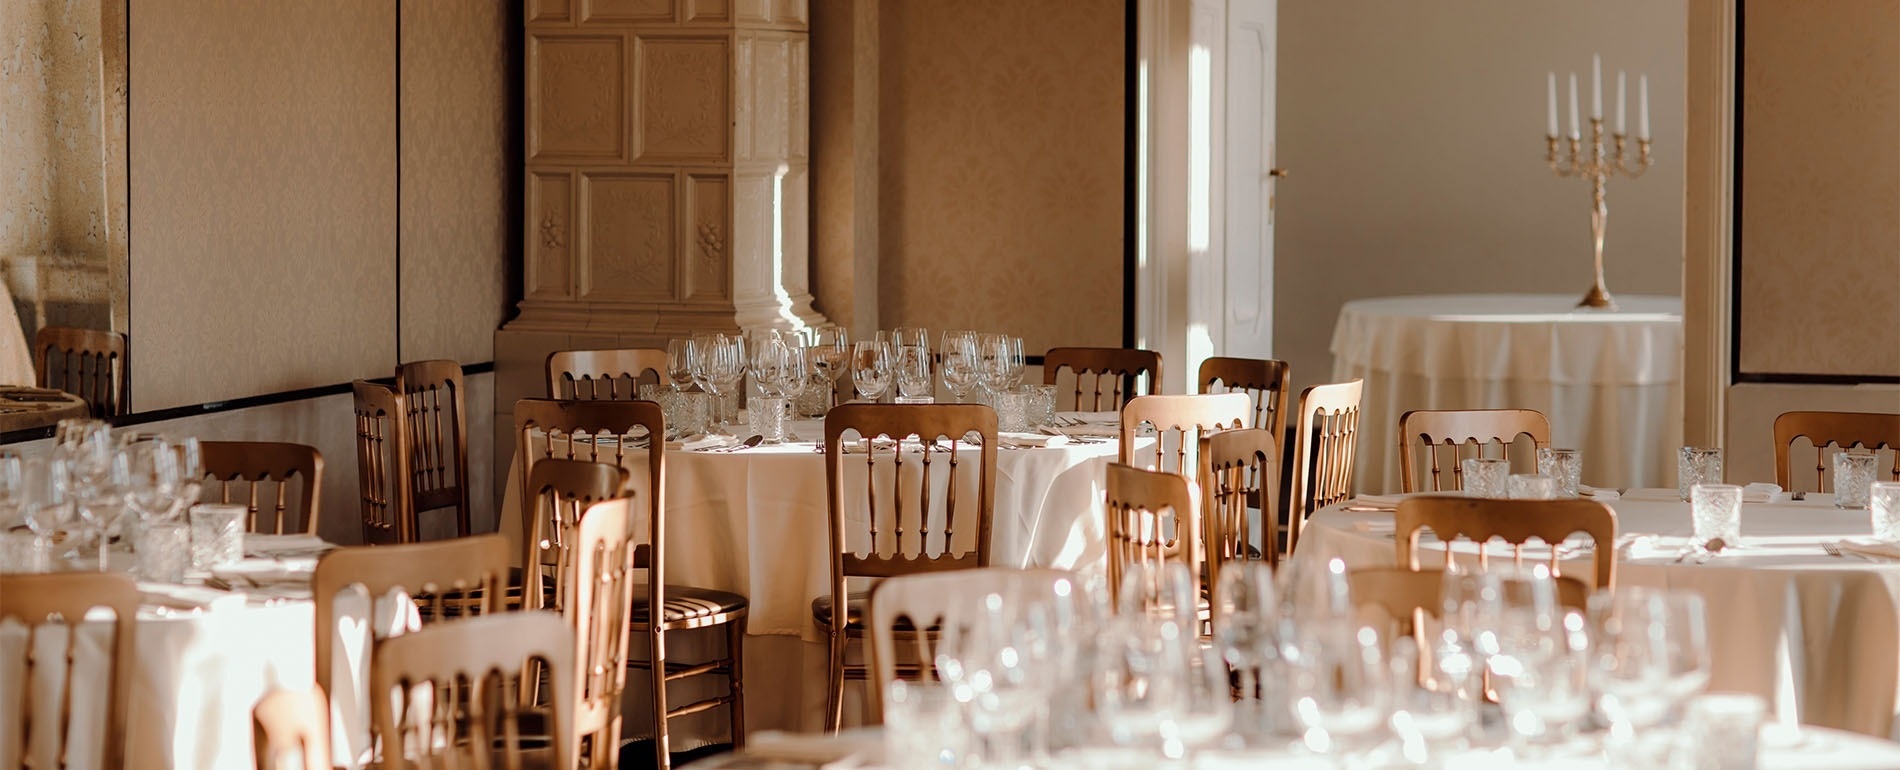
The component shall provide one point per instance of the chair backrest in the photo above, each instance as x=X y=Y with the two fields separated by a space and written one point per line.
x=1240 y=471
x=1325 y=452
x=1436 y=438
x=924 y=525
x=1402 y=592
x=291 y=729
x=603 y=432
x=41 y=602
x=437 y=438
x=1873 y=430
x=481 y=663
x=1514 y=521
x=449 y=578
x=559 y=492
x=263 y=464
x=597 y=597
x=1114 y=375
x=1264 y=380
x=1151 y=520
x=382 y=467
x=934 y=600
x=606 y=375
x=1180 y=421
x=88 y=363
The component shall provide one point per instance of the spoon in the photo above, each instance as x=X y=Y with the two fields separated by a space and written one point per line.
x=750 y=442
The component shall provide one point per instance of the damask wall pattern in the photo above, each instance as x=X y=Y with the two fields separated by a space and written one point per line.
x=1000 y=168
x=1820 y=188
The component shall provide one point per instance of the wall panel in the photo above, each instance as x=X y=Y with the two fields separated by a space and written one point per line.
x=263 y=196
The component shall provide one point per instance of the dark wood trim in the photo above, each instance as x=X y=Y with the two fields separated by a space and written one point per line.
x=1816 y=379
x=1131 y=156
x=1735 y=208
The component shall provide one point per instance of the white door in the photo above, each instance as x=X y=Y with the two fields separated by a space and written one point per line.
x=1247 y=307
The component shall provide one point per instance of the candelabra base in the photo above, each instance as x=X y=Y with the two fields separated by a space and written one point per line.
x=1598 y=297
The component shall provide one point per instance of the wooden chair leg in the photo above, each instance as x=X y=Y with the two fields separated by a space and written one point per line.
x=735 y=683
x=834 y=695
x=656 y=652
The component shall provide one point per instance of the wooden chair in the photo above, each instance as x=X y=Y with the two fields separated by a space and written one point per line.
x=1514 y=521
x=447 y=579
x=1240 y=469
x=902 y=605
x=436 y=441
x=1120 y=369
x=1152 y=520
x=88 y=363
x=610 y=375
x=559 y=491
x=259 y=462
x=292 y=730
x=382 y=467
x=1434 y=434
x=1184 y=418
x=597 y=596
x=1264 y=380
x=1846 y=430
x=614 y=432
x=891 y=540
x=61 y=600
x=481 y=663
x=1325 y=452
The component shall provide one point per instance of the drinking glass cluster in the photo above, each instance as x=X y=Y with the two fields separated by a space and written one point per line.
x=83 y=488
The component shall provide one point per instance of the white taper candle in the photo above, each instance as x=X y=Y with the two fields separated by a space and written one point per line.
x=1553 y=105
x=1621 y=128
x=1642 y=111
x=1596 y=88
x=1574 y=133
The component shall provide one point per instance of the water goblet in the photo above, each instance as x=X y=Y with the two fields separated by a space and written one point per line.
x=1884 y=500
x=679 y=363
x=1853 y=473
x=914 y=383
x=48 y=499
x=1564 y=465
x=1696 y=465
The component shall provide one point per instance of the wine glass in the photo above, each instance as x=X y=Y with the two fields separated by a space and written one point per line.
x=102 y=500
x=1341 y=686
x=1246 y=625
x=766 y=364
x=679 y=363
x=153 y=478
x=48 y=499
x=1649 y=654
x=12 y=488
x=993 y=365
x=958 y=366
x=1017 y=364
x=914 y=383
x=871 y=367
x=1537 y=655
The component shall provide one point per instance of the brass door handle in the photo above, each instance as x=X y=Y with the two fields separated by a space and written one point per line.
x=1277 y=172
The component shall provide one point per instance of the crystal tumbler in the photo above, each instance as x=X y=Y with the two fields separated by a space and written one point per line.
x=1853 y=472
x=217 y=535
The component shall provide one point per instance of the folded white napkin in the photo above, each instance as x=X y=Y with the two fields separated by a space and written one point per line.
x=172 y=596
x=699 y=443
x=1597 y=494
x=1032 y=439
x=1762 y=492
x=262 y=572
x=1655 y=493
x=284 y=545
x=1869 y=547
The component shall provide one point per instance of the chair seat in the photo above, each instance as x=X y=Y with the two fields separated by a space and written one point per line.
x=855 y=602
x=687 y=604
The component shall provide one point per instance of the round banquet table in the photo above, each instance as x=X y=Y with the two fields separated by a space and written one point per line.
x=1813 y=633
x=755 y=522
x=1607 y=379
x=23 y=407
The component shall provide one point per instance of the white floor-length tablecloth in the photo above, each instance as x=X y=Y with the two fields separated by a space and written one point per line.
x=756 y=523
x=1608 y=380
x=1817 y=635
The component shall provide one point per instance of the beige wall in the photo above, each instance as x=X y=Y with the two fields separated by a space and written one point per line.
x=1414 y=134
x=999 y=157
x=1819 y=267
x=266 y=203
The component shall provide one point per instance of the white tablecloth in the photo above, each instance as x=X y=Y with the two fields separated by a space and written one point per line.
x=1817 y=635
x=1608 y=380
x=755 y=522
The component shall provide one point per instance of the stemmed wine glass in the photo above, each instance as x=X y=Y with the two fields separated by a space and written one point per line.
x=679 y=364
x=1017 y=365
x=47 y=499
x=12 y=488
x=1649 y=654
x=958 y=366
x=1246 y=627
x=102 y=500
x=871 y=367
x=992 y=362
x=719 y=363
x=830 y=346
